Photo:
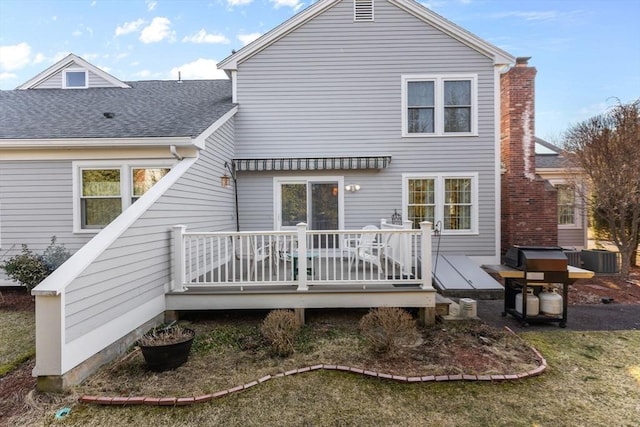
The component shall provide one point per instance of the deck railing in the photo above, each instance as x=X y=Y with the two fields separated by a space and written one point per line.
x=302 y=258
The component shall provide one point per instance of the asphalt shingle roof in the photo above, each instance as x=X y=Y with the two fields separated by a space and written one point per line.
x=147 y=109
x=553 y=160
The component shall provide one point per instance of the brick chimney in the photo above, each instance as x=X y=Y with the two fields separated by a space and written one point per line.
x=529 y=203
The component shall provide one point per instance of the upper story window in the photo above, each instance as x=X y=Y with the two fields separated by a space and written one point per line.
x=435 y=105
x=104 y=191
x=75 y=79
x=452 y=200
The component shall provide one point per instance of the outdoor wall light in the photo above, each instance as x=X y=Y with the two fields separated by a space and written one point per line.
x=352 y=187
x=225 y=180
x=229 y=174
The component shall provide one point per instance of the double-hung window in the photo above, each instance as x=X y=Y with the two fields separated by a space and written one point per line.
x=437 y=105
x=448 y=199
x=566 y=206
x=104 y=191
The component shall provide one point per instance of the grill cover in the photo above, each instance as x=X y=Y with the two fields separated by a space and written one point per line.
x=536 y=258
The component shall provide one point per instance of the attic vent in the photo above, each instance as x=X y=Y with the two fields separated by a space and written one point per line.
x=363 y=10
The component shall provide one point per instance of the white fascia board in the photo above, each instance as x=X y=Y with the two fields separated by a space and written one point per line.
x=498 y=55
x=57 y=281
x=63 y=63
x=231 y=62
x=559 y=171
x=201 y=139
x=96 y=142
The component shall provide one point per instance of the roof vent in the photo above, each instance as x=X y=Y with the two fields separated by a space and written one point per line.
x=109 y=115
x=363 y=10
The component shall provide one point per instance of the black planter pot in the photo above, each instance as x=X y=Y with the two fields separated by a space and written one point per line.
x=165 y=357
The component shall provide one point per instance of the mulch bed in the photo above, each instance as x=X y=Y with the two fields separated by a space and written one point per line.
x=16 y=299
x=16 y=386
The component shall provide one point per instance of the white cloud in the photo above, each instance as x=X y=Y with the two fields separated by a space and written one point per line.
x=199 y=69
x=248 y=38
x=528 y=16
x=232 y=3
x=144 y=74
x=93 y=3
x=90 y=56
x=7 y=76
x=202 y=37
x=151 y=4
x=293 y=4
x=14 y=57
x=76 y=33
x=129 y=27
x=158 y=30
x=39 y=58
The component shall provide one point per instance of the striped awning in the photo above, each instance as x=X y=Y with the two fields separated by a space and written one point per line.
x=312 y=163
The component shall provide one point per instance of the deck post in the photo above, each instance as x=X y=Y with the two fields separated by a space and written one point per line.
x=302 y=257
x=177 y=282
x=425 y=253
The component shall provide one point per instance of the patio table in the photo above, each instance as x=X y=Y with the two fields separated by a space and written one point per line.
x=310 y=256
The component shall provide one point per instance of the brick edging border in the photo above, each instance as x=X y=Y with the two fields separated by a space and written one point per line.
x=183 y=401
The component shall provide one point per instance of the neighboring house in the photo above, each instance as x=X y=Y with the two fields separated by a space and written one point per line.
x=78 y=147
x=572 y=217
x=346 y=113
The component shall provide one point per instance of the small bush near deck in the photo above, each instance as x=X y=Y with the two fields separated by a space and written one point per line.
x=29 y=269
x=281 y=328
x=386 y=329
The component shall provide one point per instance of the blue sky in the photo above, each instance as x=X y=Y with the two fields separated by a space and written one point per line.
x=587 y=52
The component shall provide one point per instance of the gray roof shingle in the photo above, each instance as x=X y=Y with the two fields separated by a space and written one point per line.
x=148 y=109
x=553 y=160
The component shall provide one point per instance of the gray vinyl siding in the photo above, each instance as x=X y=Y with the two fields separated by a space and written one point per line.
x=36 y=203
x=571 y=238
x=136 y=267
x=333 y=87
x=55 y=81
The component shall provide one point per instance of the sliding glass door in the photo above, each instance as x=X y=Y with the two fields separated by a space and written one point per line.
x=315 y=201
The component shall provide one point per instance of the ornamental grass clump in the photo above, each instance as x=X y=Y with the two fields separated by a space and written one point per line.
x=281 y=328
x=173 y=335
x=387 y=329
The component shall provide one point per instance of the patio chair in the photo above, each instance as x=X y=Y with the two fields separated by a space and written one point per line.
x=365 y=249
x=249 y=251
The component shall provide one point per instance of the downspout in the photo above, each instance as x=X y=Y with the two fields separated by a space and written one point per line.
x=174 y=152
x=232 y=172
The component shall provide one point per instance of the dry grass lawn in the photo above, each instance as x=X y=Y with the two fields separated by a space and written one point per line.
x=593 y=379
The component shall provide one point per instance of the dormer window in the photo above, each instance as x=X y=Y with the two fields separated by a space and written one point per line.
x=75 y=79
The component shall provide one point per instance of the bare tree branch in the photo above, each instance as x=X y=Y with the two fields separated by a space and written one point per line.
x=607 y=149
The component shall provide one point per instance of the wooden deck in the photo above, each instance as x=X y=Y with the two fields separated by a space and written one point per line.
x=372 y=289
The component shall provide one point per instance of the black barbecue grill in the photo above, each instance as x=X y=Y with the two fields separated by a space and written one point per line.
x=542 y=266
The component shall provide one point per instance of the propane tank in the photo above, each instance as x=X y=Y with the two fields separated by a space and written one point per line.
x=550 y=302
x=533 y=303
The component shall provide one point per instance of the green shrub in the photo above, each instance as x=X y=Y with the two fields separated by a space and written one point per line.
x=30 y=269
x=387 y=329
x=280 y=328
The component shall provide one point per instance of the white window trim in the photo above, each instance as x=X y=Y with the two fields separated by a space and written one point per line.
x=439 y=198
x=577 y=207
x=277 y=196
x=75 y=70
x=125 y=166
x=439 y=80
